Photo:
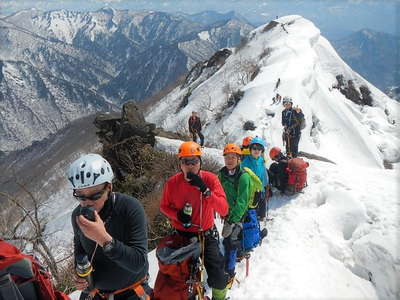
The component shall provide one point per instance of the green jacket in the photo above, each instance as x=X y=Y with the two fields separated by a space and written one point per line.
x=237 y=192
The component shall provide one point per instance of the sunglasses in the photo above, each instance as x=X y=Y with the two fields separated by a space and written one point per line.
x=93 y=197
x=256 y=147
x=193 y=161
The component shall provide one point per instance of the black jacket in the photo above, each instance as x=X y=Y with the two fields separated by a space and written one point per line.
x=127 y=261
x=278 y=174
x=194 y=124
x=291 y=119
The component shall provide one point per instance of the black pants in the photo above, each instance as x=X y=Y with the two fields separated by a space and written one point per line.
x=201 y=136
x=262 y=205
x=292 y=144
x=278 y=176
x=214 y=261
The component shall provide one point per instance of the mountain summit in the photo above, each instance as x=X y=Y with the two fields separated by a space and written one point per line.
x=346 y=116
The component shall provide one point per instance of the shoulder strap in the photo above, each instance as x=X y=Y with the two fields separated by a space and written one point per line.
x=237 y=177
x=8 y=289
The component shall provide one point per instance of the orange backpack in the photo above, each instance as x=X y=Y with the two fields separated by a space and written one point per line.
x=176 y=258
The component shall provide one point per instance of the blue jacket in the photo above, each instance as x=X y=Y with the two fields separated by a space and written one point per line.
x=257 y=166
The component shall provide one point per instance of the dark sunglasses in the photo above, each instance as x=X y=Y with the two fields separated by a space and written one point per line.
x=93 y=197
x=193 y=161
x=257 y=147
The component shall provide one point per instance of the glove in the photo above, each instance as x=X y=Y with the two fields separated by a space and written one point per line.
x=184 y=218
x=227 y=229
x=196 y=181
x=237 y=229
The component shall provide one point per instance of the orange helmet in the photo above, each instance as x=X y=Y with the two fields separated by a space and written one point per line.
x=232 y=148
x=274 y=152
x=189 y=149
x=246 y=141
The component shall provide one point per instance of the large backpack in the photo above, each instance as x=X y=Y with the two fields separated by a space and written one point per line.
x=23 y=278
x=297 y=175
x=302 y=121
x=251 y=231
x=176 y=256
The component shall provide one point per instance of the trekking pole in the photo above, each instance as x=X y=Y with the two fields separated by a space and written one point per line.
x=268 y=198
x=247 y=264
x=289 y=145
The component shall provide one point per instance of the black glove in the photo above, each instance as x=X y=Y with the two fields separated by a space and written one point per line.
x=184 y=218
x=196 y=181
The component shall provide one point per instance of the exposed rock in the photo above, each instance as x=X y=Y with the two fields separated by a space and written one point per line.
x=125 y=138
x=270 y=25
x=213 y=64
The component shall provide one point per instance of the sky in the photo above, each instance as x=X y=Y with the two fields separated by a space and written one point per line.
x=336 y=18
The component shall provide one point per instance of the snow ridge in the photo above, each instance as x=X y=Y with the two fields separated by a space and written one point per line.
x=307 y=66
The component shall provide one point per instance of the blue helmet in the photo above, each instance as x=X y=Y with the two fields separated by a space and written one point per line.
x=257 y=140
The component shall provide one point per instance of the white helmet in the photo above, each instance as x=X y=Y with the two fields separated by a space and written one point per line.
x=90 y=170
x=287 y=99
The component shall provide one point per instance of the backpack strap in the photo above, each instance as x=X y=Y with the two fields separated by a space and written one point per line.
x=8 y=289
x=237 y=177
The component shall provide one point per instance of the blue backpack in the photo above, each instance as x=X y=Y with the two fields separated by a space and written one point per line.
x=251 y=231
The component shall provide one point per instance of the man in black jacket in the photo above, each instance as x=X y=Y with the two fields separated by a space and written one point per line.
x=115 y=239
x=195 y=128
x=291 y=119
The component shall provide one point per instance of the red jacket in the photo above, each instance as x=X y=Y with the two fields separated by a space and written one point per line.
x=177 y=191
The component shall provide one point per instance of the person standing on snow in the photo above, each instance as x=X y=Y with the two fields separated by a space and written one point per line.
x=115 y=239
x=195 y=128
x=256 y=163
x=202 y=191
x=236 y=184
x=291 y=127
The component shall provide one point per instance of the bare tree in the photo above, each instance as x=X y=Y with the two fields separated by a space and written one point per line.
x=23 y=222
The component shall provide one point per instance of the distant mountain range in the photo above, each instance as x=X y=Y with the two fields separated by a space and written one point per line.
x=374 y=55
x=61 y=65
x=209 y=17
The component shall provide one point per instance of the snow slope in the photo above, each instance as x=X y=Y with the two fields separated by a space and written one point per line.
x=306 y=65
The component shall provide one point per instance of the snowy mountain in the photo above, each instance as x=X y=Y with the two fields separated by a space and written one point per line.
x=373 y=55
x=126 y=37
x=210 y=17
x=61 y=65
x=293 y=52
x=44 y=85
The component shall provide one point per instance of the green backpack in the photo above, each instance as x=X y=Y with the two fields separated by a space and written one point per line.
x=255 y=186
